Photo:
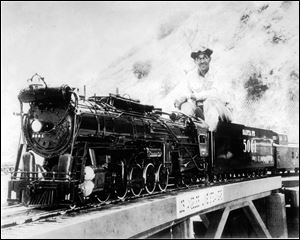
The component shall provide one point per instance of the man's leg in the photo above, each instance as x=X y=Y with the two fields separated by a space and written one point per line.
x=199 y=112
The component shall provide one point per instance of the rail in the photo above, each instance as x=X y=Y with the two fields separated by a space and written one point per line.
x=145 y=217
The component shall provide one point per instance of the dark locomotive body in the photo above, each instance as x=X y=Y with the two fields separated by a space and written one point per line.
x=99 y=146
x=111 y=145
x=242 y=149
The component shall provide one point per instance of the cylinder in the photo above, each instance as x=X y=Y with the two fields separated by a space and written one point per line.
x=29 y=166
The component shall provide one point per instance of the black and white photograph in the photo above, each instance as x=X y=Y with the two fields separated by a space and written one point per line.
x=149 y=119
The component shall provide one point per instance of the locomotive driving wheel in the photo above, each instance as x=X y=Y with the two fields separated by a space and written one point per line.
x=136 y=180
x=120 y=184
x=149 y=178
x=186 y=180
x=103 y=195
x=162 y=178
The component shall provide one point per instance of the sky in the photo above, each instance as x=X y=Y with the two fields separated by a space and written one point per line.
x=68 y=42
x=71 y=41
x=64 y=40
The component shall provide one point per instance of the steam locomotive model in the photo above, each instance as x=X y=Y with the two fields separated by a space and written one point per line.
x=110 y=146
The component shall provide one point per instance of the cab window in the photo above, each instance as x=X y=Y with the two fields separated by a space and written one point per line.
x=202 y=138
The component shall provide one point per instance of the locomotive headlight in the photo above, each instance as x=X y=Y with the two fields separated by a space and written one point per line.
x=36 y=125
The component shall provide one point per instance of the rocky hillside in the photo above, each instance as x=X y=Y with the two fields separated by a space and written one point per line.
x=255 y=61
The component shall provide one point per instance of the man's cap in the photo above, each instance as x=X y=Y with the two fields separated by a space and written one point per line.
x=205 y=51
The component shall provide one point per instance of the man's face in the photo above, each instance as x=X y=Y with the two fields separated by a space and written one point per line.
x=202 y=62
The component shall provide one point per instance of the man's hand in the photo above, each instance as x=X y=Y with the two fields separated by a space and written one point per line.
x=178 y=102
x=193 y=97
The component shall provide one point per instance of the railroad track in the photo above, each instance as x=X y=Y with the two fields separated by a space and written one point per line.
x=14 y=211
x=22 y=216
x=13 y=216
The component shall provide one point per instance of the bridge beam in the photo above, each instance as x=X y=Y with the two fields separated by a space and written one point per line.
x=143 y=218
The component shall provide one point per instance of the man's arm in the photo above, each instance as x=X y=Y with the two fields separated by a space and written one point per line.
x=181 y=94
x=203 y=95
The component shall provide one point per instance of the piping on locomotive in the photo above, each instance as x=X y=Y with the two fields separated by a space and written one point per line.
x=111 y=145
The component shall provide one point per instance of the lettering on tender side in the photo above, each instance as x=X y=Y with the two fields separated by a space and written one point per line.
x=248 y=132
x=193 y=202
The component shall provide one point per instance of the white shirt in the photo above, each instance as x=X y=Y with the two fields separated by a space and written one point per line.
x=199 y=86
x=195 y=86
